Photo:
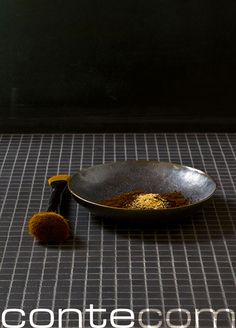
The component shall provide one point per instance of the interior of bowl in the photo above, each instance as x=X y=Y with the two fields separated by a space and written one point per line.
x=100 y=182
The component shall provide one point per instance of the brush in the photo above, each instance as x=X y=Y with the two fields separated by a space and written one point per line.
x=51 y=226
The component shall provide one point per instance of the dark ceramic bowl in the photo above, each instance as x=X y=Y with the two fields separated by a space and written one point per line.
x=94 y=184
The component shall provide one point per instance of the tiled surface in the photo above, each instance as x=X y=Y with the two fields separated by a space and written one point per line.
x=189 y=265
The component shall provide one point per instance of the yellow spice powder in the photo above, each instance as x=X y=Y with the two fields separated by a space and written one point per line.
x=148 y=201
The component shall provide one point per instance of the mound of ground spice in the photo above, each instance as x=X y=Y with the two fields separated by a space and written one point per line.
x=142 y=200
x=148 y=201
x=121 y=200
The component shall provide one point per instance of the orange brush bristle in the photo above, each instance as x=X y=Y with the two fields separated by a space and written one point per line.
x=51 y=226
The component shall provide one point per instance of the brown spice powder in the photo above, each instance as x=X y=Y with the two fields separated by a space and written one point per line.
x=142 y=200
x=121 y=200
x=176 y=199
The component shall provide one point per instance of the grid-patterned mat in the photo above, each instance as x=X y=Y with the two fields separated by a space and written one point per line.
x=188 y=265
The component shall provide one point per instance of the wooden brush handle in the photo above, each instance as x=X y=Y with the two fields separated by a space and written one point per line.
x=58 y=184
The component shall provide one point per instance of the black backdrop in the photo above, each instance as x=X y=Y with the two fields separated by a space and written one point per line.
x=117 y=64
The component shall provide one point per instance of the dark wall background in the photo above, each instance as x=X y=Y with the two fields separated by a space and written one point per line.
x=116 y=63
